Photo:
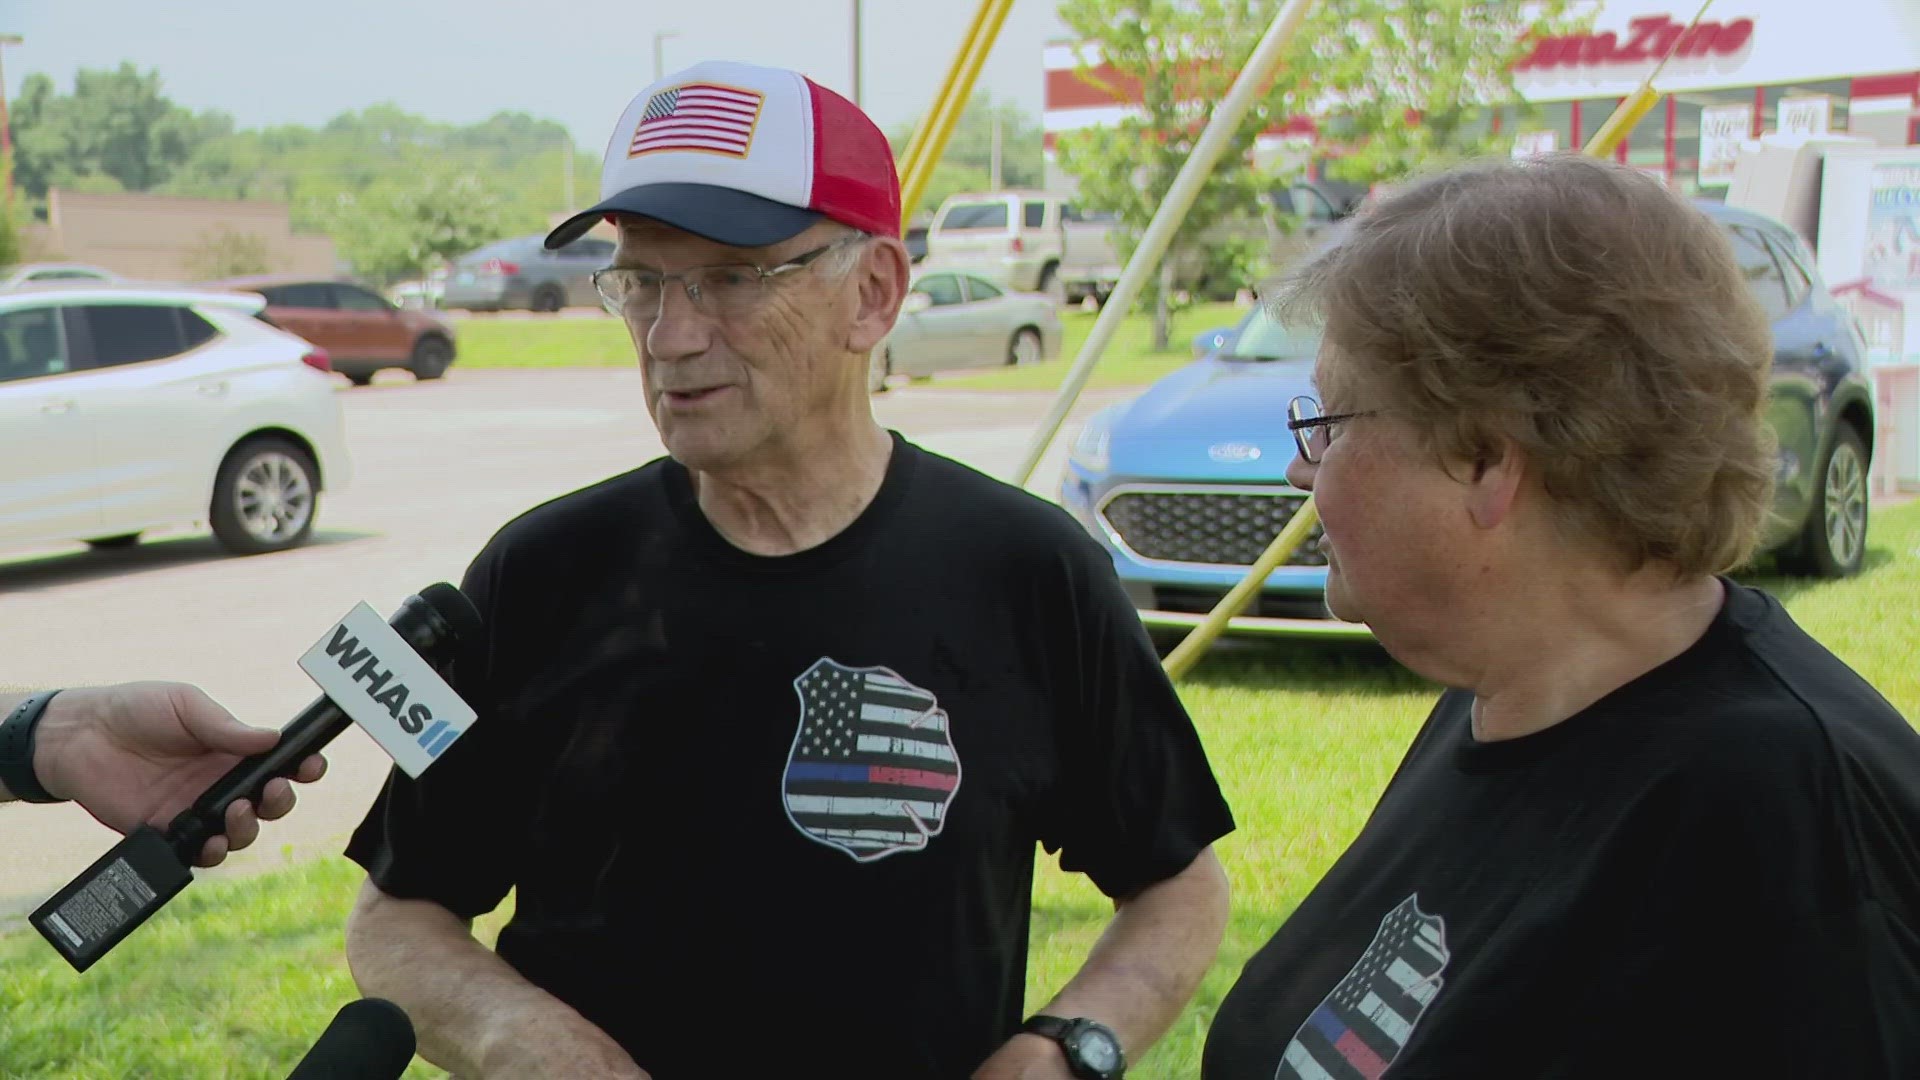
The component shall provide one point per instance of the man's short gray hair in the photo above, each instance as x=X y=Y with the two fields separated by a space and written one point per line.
x=840 y=261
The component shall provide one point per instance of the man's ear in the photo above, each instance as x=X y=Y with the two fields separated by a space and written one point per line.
x=882 y=275
x=1493 y=482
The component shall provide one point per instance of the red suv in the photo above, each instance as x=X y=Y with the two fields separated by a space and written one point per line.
x=360 y=330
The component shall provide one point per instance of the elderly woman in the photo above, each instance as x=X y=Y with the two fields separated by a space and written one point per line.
x=1652 y=828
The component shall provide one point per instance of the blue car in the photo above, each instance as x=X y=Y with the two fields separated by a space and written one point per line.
x=1186 y=485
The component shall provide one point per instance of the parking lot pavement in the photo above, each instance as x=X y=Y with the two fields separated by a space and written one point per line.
x=439 y=466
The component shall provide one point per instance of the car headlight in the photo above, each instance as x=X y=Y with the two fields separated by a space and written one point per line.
x=1091 y=448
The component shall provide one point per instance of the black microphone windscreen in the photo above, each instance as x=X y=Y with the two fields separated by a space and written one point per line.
x=369 y=1039
x=455 y=607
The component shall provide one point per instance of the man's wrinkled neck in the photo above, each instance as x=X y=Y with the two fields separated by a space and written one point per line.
x=800 y=493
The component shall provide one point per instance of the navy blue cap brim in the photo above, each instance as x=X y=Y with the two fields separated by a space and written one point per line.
x=723 y=215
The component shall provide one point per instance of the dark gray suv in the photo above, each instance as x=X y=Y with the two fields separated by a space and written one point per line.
x=522 y=274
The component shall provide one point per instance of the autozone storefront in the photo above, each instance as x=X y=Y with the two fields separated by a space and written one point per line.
x=1751 y=67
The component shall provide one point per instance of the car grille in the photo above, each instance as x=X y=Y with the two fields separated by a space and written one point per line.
x=1216 y=527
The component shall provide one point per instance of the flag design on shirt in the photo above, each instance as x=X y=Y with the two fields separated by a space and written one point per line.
x=1364 y=1023
x=872 y=770
x=704 y=117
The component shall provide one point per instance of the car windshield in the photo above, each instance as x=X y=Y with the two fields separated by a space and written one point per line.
x=1265 y=338
x=980 y=215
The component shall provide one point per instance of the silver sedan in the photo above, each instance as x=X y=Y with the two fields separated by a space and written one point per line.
x=953 y=320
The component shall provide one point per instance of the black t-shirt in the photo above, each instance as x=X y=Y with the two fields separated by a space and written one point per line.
x=764 y=813
x=1713 y=871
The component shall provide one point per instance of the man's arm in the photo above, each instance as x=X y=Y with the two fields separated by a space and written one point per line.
x=473 y=1014
x=1139 y=975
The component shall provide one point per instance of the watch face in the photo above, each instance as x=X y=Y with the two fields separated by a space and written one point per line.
x=1098 y=1051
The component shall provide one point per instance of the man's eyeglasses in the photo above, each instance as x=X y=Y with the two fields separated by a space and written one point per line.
x=1313 y=432
x=728 y=289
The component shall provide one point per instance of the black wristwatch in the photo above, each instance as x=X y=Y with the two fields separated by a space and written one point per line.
x=16 y=750
x=1092 y=1049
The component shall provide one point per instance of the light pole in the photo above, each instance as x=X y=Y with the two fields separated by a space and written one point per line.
x=856 y=52
x=6 y=128
x=659 y=56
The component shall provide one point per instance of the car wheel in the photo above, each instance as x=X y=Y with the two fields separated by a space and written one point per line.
x=548 y=298
x=1050 y=285
x=124 y=540
x=1025 y=347
x=1835 y=542
x=878 y=369
x=431 y=358
x=362 y=378
x=264 y=497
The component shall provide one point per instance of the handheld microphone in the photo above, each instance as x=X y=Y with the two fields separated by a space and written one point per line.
x=369 y=1039
x=148 y=867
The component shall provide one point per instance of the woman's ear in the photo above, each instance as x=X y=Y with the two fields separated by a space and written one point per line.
x=1494 y=484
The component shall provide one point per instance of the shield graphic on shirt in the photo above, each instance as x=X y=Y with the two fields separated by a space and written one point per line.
x=1364 y=1023
x=872 y=770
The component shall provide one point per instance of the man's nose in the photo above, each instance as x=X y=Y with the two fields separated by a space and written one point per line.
x=679 y=330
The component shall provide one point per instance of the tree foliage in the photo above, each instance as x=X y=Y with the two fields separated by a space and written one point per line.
x=396 y=192
x=967 y=162
x=1393 y=86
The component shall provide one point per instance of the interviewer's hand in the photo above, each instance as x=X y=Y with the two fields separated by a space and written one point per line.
x=141 y=752
x=555 y=1045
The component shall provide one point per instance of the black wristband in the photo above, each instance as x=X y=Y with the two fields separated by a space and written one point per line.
x=16 y=750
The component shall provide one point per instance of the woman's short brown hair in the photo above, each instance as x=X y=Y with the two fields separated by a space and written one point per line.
x=1581 y=310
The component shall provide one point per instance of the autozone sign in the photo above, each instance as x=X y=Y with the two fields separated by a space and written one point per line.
x=1648 y=38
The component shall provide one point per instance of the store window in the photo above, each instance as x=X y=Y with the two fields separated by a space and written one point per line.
x=1835 y=91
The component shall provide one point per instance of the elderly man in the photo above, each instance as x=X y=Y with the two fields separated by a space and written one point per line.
x=770 y=726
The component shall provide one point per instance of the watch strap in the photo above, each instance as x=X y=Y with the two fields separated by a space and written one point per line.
x=1053 y=1027
x=16 y=750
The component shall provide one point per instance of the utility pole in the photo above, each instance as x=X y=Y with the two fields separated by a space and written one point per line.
x=659 y=55
x=995 y=167
x=6 y=128
x=571 y=205
x=856 y=52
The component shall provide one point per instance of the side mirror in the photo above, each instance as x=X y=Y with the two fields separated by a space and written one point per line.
x=915 y=303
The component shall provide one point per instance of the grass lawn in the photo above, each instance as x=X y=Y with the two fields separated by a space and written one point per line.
x=600 y=342
x=235 y=980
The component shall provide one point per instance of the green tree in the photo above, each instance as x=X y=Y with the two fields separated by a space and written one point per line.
x=116 y=125
x=1183 y=56
x=967 y=162
x=1409 y=85
x=1394 y=85
x=397 y=228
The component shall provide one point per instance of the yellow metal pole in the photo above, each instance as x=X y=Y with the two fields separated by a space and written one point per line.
x=1247 y=88
x=1181 y=660
x=940 y=124
x=919 y=138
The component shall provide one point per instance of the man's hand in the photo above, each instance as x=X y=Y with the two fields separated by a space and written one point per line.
x=139 y=753
x=1026 y=1056
x=556 y=1047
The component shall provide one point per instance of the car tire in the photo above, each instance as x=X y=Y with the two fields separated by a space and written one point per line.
x=432 y=357
x=1025 y=348
x=361 y=378
x=265 y=497
x=1835 y=541
x=549 y=298
x=878 y=369
x=105 y=543
x=1050 y=284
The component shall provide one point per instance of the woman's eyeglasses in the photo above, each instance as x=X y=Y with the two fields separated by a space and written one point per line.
x=1312 y=431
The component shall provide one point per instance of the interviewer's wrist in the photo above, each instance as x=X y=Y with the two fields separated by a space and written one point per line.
x=25 y=734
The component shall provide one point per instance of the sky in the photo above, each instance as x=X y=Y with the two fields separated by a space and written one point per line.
x=575 y=61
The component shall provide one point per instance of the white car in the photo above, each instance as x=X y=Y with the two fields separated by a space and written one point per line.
x=128 y=407
x=40 y=273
